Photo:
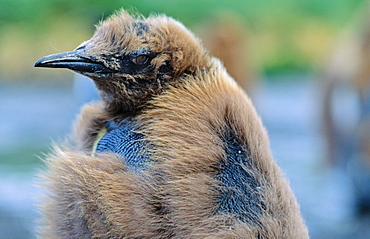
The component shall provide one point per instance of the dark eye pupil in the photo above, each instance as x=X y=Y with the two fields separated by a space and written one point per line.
x=140 y=60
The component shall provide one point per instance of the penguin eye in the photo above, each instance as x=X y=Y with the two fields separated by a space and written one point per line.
x=140 y=60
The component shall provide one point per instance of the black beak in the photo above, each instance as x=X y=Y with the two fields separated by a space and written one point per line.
x=73 y=60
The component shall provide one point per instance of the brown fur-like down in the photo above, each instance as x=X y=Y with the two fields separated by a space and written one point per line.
x=184 y=124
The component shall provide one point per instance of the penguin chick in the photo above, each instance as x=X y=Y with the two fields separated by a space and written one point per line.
x=179 y=151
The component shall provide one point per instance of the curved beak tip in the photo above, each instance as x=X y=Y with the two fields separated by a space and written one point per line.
x=38 y=63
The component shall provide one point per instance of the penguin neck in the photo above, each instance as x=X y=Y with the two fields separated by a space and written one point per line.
x=121 y=102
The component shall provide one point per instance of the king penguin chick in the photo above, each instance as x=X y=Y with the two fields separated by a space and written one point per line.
x=174 y=149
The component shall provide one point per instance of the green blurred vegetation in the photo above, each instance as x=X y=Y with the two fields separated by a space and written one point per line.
x=290 y=34
x=24 y=158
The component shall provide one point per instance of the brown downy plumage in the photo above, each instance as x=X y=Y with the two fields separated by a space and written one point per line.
x=210 y=172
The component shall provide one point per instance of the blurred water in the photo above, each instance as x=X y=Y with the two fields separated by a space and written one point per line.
x=32 y=112
x=290 y=112
x=32 y=116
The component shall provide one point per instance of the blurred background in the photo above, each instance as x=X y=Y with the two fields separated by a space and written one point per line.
x=305 y=65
